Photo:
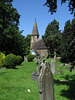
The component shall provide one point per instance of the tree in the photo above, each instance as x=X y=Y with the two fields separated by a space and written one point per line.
x=52 y=5
x=67 y=35
x=27 y=44
x=71 y=53
x=69 y=39
x=11 y=40
x=52 y=37
x=67 y=25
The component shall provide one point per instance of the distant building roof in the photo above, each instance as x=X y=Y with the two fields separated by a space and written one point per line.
x=39 y=44
x=35 y=29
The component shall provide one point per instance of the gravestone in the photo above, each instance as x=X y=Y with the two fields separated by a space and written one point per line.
x=35 y=75
x=52 y=66
x=42 y=64
x=38 y=64
x=45 y=82
x=67 y=66
x=25 y=58
x=59 y=71
x=54 y=56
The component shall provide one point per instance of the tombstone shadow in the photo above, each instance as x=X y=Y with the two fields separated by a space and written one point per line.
x=70 y=92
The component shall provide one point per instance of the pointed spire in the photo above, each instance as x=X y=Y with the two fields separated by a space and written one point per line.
x=35 y=29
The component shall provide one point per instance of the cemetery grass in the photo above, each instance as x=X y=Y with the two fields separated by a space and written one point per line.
x=64 y=83
x=14 y=83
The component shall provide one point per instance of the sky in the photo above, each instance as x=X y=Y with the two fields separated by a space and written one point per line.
x=31 y=9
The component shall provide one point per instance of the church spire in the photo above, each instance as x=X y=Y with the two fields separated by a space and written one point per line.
x=35 y=29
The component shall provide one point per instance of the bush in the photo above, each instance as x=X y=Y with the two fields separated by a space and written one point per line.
x=19 y=60
x=10 y=61
x=64 y=58
x=30 y=57
x=2 y=59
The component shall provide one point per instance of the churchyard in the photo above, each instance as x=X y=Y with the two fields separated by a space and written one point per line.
x=16 y=84
x=22 y=76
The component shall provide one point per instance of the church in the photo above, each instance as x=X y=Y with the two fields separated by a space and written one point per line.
x=38 y=47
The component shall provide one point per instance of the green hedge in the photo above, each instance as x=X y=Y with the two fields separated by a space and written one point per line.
x=19 y=60
x=30 y=57
x=2 y=59
x=10 y=61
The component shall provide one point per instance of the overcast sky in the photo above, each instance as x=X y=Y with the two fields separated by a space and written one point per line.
x=31 y=9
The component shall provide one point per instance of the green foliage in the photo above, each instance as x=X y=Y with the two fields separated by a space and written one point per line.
x=30 y=57
x=2 y=59
x=11 y=40
x=64 y=58
x=67 y=35
x=52 y=5
x=52 y=37
x=42 y=57
x=67 y=25
x=19 y=60
x=27 y=44
x=69 y=39
x=73 y=22
x=10 y=61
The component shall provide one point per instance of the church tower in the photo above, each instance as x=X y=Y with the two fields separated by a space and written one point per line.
x=34 y=34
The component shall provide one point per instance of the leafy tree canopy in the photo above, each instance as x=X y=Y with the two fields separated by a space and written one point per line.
x=52 y=5
x=67 y=35
x=68 y=44
x=52 y=36
x=11 y=40
x=27 y=44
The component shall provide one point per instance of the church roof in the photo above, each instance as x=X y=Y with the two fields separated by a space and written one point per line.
x=39 y=44
x=35 y=29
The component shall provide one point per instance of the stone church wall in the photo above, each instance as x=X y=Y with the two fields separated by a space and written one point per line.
x=43 y=52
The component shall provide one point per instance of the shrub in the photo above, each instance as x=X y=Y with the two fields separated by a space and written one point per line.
x=19 y=60
x=10 y=61
x=2 y=59
x=30 y=57
x=64 y=58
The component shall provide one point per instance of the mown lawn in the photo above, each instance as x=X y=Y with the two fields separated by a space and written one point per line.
x=14 y=83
